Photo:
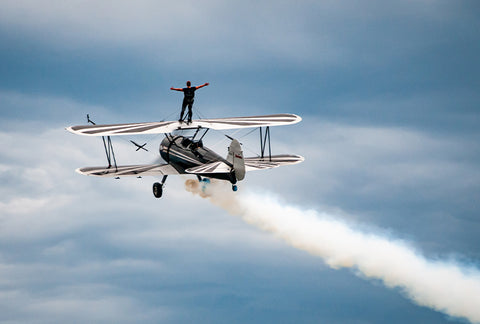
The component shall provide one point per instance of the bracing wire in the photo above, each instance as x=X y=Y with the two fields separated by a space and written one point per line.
x=154 y=153
x=200 y=116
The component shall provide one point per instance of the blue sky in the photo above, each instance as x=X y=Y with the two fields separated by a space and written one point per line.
x=388 y=92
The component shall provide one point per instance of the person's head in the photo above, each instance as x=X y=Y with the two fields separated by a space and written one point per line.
x=189 y=83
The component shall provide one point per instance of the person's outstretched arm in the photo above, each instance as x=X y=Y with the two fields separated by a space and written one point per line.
x=203 y=85
x=176 y=89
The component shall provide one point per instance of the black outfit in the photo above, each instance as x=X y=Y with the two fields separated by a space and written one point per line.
x=189 y=95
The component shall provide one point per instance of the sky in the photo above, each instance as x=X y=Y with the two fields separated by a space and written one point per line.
x=388 y=93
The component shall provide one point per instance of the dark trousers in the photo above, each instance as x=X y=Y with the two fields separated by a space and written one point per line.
x=186 y=103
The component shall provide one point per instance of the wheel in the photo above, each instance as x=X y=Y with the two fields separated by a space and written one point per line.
x=157 y=190
x=205 y=183
x=234 y=187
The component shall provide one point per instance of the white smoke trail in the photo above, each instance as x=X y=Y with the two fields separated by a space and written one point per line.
x=444 y=286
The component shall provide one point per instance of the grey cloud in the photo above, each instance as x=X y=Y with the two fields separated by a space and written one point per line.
x=34 y=112
x=233 y=32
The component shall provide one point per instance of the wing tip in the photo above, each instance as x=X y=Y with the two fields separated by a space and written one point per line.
x=70 y=129
x=300 y=158
x=297 y=118
x=80 y=171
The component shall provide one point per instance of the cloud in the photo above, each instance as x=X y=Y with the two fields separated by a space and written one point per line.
x=374 y=159
x=71 y=302
x=230 y=33
x=169 y=28
x=39 y=112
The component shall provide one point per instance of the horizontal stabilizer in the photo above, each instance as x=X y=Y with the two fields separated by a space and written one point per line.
x=129 y=170
x=214 y=167
x=170 y=126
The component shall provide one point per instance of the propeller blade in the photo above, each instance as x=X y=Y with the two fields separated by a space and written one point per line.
x=139 y=146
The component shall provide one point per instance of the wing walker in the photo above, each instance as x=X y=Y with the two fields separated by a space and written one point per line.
x=187 y=154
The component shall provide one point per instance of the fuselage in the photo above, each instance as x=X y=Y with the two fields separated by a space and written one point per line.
x=183 y=153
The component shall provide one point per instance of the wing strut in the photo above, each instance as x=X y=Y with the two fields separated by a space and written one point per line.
x=263 y=142
x=108 y=146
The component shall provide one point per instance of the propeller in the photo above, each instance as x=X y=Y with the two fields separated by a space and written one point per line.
x=139 y=146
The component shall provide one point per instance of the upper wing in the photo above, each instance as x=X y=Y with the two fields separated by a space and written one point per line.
x=258 y=163
x=249 y=121
x=129 y=170
x=125 y=129
x=170 y=126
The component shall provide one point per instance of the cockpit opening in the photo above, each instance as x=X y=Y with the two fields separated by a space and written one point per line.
x=187 y=142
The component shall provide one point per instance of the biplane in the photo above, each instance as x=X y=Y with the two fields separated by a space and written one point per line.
x=187 y=154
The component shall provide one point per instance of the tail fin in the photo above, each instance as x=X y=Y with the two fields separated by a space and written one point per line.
x=235 y=157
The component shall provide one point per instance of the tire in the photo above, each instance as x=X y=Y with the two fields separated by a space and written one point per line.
x=157 y=190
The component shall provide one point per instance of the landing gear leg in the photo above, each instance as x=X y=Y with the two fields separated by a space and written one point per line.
x=205 y=180
x=233 y=180
x=158 y=187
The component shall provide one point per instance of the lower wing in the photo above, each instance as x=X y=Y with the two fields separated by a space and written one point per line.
x=251 y=164
x=129 y=170
x=259 y=163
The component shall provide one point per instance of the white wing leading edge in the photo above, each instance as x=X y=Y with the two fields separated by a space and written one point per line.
x=129 y=170
x=170 y=126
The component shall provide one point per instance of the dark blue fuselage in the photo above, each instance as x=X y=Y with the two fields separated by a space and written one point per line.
x=183 y=153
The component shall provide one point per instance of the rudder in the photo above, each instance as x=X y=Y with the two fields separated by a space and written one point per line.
x=235 y=157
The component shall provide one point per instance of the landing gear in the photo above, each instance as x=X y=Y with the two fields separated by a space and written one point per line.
x=233 y=180
x=205 y=182
x=158 y=187
x=157 y=190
